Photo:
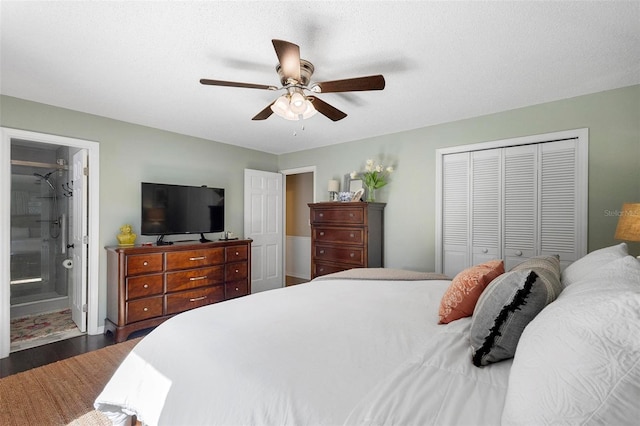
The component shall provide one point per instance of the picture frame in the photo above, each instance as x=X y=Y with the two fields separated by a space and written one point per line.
x=353 y=185
x=357 y=195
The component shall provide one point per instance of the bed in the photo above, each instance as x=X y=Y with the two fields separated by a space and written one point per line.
x=375 y=347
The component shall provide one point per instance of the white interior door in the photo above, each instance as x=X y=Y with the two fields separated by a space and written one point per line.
x=263 y=223
x=78 y=239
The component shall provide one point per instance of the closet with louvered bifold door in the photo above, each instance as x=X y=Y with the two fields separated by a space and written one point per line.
x=511 y=202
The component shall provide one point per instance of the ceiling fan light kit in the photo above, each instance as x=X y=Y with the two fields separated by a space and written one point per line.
x=292 y=107
x=295 y=77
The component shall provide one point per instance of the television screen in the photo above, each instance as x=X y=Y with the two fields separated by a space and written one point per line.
x=178 y=209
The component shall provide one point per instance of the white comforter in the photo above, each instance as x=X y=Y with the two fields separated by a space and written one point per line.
x=323 y=353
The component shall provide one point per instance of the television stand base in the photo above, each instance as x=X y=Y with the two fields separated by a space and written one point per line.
x=161 y=242
x=203 y=239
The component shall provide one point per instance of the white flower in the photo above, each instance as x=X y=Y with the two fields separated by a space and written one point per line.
x=353 y=174
x=389 y=169
x=379 y=168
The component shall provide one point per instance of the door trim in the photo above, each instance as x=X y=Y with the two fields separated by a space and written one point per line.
x=93 y=231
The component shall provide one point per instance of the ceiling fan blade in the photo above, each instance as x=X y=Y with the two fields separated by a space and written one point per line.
x=264 y=114
x=372 y=82
x=325 y=109
x=236 y=84
x=289 y=58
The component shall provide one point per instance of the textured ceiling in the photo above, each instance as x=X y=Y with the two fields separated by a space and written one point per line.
x=141 y=62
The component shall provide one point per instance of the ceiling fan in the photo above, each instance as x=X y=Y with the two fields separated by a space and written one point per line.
x=295 y=76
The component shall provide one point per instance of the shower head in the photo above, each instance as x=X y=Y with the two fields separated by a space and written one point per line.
x=46 y=179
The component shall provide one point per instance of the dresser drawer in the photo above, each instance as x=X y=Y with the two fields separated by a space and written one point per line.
x=193 y=278
x=141 y=309
x=143 y=263
x=320 y=268
x=236 y=271
x=351 y=255
x=236 y=289
x=342 y=216
x=194 y=258
x=339 y=235
x=185 y=300
x=145 y=285
x=235 y=253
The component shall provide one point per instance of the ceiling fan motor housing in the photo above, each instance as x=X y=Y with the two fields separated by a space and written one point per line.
x=306 y=71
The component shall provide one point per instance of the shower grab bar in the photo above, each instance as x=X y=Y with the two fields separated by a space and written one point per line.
x=38 y=164
x=63 y=232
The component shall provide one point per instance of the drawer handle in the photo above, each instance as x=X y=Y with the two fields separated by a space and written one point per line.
x=197 y=278
x=197 y=299
x=146 y=286
x=237 y=254
x=145 y=309
x=352 y=254
x=145 y=263
x=321 y=214
x=237 y=271
x=198 y=258
x=321 y=251
x=518 y=253
x=350 y=214
x=322 y=234
x=351 y=235
x=237 y=289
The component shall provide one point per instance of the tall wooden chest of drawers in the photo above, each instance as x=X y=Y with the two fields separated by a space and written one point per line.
x=346 y=235
x=146 y=285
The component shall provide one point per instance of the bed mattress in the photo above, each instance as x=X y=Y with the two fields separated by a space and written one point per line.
x=324 y=353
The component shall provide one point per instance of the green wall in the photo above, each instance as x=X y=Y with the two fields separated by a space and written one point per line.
x=130 y=154
x=613 y=120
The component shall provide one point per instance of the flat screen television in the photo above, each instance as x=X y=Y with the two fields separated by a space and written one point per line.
x=179 y=209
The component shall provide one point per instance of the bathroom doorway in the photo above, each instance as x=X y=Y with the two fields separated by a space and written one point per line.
x=44 y=290
x=41 y=278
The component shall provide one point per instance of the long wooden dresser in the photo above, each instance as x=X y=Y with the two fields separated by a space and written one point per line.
x=346 y=235
x=147 y=285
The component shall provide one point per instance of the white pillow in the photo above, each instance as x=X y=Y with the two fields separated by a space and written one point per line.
x=577 y=361
x=592 y=261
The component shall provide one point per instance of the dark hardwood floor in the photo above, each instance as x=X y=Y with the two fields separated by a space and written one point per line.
x=56 y=351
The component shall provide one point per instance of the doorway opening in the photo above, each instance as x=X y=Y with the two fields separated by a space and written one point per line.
x=299 y=192
x=40 y=263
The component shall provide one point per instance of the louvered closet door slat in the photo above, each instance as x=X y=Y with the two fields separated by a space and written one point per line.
x=455 y=211
x=485 y=205
x=558 y=199
x=520 y=203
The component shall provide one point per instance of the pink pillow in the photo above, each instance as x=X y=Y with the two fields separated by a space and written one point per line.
x=462 y=295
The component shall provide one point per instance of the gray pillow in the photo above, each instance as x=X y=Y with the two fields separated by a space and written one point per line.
x=548 y=269
x=505 y=308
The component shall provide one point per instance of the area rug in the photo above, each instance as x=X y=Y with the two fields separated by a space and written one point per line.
x=61 y=393
x=38 y=326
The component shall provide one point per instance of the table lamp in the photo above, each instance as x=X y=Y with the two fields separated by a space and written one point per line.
x=628 y=228
x=334 y=188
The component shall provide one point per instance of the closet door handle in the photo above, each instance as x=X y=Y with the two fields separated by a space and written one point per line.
x=518 y=253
